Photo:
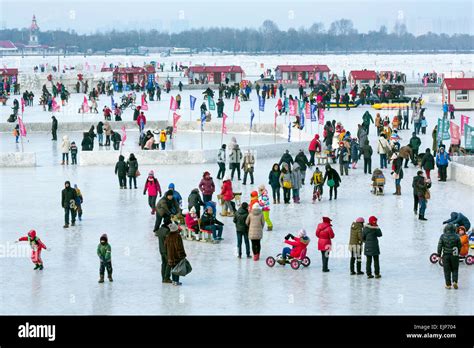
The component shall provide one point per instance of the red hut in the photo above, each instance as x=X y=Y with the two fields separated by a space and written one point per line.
x=134 y=74
x=362 y=78
x=215 y=74
x=297 y=73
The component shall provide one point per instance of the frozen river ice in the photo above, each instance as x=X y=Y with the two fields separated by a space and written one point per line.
x=220 y=282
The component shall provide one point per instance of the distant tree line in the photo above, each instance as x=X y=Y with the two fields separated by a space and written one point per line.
x=341 y=36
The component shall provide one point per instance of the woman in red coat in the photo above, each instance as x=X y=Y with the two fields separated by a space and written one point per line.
x=325 y=233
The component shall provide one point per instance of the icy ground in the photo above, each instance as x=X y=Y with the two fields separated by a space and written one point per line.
x=220 y=283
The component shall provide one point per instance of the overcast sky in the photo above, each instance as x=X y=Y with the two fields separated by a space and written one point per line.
x=85 y=16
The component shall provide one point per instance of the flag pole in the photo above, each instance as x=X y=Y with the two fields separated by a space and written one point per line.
x=19 y=130
x=222 y=131
x=250 y=135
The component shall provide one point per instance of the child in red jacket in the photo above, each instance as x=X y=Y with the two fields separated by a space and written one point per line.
x=192 y=222
x=36 y=247
x=227 y=196
x=299 y=244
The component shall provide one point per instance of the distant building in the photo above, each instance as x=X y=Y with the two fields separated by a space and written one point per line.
x=216 y=74
x=362 y=78
x=34 y=46
x=459 y=92
x=134 y=74
x=180 y=50
x=7 y=46
x=297 y=73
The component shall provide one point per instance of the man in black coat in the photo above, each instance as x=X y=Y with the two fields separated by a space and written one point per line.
x=162 y=233
x=68 y=202
x=54 y=128
x=449 y=246
x=286 y=158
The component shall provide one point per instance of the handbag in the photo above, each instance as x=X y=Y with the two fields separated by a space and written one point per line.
x=395 y=175
x=427 y=194
x=287 y=184
x=182 y=268
x=137 y=173
x=331 y=183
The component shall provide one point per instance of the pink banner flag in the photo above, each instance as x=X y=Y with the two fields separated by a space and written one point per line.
x=173 y=104
x=176 y=118
x=237 y=104
x=425 y=81
x=144 y=103
x=321 y=116
x=55 y=105
x=307 y=111
x=85 y=105
x=464 y=120
x=22 y=127
x=455 y=133
x=124 y=134
x=22 y=105
x=224 y=127
x=293 y=107
x=275 y=122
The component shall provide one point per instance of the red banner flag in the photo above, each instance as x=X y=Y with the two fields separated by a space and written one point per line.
x=455 y=133
x=55 y=105
x=124 y=134
x=22 y=127
x=22 y=105
x=176 y=118
x=464 y=120
x=237 y=104
x=144 y=103
x=224 y=127
x=173 y=104
x=321 y=116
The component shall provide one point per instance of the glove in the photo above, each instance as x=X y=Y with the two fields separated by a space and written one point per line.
x=288 y=236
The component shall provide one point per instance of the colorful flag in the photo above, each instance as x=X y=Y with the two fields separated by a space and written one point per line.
x=289 y=132
x=292 y=108
x=302 y=119
x=468 y=137
x=22 y=105
x=300 y=106
x=111 y=101
x=321 y=116
x=237 y=104
x=176 y=118
x=464 y=120
x=192 y=102
x=307 y=110
x=443 y=129
x=85 y=105
x=211 y=103
x=252 y=116
x=55 y=105
x=285 y=104
x=144 y=103
x=203 y=120
x=313 y=112
x=22 y=127
x=454 y=130
x=124 y=135
x=224 y=127
x=261 y=103
x=173 y=104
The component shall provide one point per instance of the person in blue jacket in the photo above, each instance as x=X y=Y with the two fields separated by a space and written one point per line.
x=176 y=194
x=458 y=219
x=442 y=161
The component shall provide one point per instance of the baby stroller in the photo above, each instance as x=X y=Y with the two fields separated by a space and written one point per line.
x=378 y=183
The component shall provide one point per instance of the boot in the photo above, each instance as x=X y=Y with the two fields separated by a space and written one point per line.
x=41 y=267
x=37 y=266
x=281 y=261
x=359 y=268
x=455 y=285
x=101 y=279
x=224 y=213
x=274 y=201
x=257 y=257
x=153 y=210
x=62 y=163
x=278 y=201
x=422 y=218
x=399 y=190
x=270 y=228
x=110 y=278
x=66 y=226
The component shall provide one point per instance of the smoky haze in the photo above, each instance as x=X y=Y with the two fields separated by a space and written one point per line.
x=86 y=16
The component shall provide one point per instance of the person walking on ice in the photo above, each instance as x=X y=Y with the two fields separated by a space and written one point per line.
x=104 y=251
x=36 y=246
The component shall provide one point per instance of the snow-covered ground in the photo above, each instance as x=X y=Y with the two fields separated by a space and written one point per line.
x=220 y=283
x=410 y=64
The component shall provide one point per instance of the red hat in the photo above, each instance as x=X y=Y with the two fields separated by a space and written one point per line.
x=373 y=221
x=32 y=234
x=254 y=194
x=317 y=136
x=326 y=219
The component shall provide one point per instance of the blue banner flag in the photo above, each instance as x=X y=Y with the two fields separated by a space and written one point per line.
x=286 y=104
x=289 y=132
x=203 y=120
x=313 y=113
x=252 y=115
x=261 y=103
x=192 y=102
x=112 y=101
x=302 y=120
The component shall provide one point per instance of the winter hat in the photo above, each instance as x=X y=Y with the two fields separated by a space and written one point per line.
x=461 y=228
x=254 y=194
x=261 y=187
x=32 y=234
x=245 y=205
x=317 y=136
x=169 y=193
x=206 y=173
x=227 y=178
x=256 y=207
x=193 y=210
x=173 y=227
x=151 y=173
x=373 y=221
x=360 y=219
x=171 y=186
x=326 y=219
x=104 y=238
x=301 y=233
x=449 y=228
x=419 y=172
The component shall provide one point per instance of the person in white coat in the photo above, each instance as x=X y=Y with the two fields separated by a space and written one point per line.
x=383 y=149
x=65 y=147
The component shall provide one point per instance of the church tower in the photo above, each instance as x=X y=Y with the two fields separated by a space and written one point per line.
x=34 y=30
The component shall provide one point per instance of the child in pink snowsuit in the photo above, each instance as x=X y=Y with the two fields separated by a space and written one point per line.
x=153 y=187
x=36 y=247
